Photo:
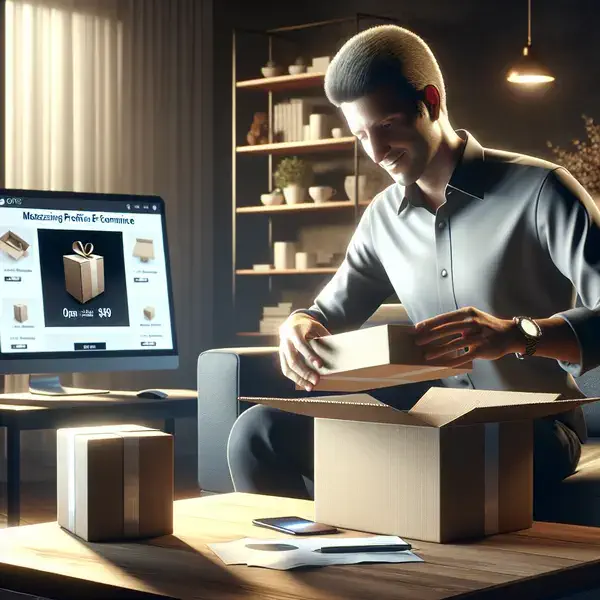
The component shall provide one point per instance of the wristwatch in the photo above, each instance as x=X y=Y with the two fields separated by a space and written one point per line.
x=532 y=332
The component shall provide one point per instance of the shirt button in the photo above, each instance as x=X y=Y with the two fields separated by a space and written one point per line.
x=441 y=224
x=444 y=273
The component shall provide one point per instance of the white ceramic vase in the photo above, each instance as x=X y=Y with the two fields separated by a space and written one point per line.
x=349 y=187
x=294 y=193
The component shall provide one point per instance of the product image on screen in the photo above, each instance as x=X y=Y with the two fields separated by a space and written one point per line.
x=13 y=245
x=83 y=278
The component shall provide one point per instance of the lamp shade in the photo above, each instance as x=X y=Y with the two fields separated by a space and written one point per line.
x=529 y=70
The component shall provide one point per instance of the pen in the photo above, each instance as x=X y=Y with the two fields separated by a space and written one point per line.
x=373 y=548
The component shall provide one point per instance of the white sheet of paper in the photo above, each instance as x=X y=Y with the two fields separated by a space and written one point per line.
x=283 y=554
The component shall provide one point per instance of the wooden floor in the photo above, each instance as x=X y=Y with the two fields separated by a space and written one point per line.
x=38 y=500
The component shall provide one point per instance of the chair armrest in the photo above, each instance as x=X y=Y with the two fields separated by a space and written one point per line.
x=223 y=376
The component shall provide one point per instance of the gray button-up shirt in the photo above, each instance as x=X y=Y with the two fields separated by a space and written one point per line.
x=517 y=236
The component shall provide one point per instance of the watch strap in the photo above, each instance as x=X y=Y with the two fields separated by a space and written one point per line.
x=531 y=341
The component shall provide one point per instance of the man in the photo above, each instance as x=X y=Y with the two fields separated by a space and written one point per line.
x=484 y=249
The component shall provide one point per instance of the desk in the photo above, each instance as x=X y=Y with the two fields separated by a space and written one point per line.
x=25 y=411
x=544 y=562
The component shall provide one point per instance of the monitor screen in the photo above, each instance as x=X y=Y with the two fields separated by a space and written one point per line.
x=84 y=276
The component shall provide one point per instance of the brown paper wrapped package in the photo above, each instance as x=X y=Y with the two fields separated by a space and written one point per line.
x=84 y=273
x=20 y=312
x=13 y=245
x=115 y=482
x=143 y=249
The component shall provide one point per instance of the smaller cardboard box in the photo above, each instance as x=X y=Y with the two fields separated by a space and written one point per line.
x=20 y=313
x=84 y=273
x=375 y=357
x=14 y=245
x=458 y=465
x=143 y=249
x=115 y=482
x=149 y=313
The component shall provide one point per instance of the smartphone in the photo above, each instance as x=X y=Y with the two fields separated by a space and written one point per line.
x=295 y=526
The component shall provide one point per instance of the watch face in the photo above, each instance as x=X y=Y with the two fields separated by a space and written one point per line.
x=529 y=328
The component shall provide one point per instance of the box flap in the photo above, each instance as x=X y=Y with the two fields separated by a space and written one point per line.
x=350 y=407
x=442 y=407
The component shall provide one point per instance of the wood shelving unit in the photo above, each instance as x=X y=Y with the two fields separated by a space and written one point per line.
x=313 y=271
x=267 y=284
x=304 y=147
x=304 y=207
x=283 y=82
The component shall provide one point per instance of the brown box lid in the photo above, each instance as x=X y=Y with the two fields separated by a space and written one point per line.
x=438 y=407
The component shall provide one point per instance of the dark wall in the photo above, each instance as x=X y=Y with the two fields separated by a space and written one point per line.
x=474 y=41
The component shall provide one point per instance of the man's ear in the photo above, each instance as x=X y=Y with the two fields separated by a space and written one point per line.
x=433 y=101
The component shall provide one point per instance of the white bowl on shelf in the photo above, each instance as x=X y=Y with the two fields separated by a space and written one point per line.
x=272 y=199
x=297 y=69
x=271 y=71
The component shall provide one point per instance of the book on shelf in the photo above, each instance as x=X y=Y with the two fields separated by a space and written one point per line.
x=290 y=117
x=274 y=316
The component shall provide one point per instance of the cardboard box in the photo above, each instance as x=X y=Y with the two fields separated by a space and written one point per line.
x=20 y=313
x=15 y=246
x=115 y=482
x=149 y=313
x=143 y=249
x=375 y=357
x=84 y=273
x=458 y=465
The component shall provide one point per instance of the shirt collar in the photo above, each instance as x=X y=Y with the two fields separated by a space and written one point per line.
x=467 y=176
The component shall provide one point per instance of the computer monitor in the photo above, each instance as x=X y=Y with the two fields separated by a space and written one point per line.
x=85 y=284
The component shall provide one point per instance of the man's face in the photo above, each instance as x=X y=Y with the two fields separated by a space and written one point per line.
x=394 y=134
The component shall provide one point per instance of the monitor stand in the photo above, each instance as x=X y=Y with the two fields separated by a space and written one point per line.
x=44 y=386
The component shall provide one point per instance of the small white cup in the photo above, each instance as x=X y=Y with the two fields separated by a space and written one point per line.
x=321 y=193
x=337 y=132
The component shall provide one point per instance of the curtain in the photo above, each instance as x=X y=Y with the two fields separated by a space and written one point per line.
x=114 y=96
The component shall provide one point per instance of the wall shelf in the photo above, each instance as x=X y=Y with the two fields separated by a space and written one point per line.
x=304 y=207
x=326 y=145
x=283 y=82
x=313 y=271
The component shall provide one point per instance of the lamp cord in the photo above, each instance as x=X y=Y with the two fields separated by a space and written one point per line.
x=529 y=22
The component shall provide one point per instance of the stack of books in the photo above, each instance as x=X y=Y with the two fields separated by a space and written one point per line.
x=274 y=316
x=289 y=118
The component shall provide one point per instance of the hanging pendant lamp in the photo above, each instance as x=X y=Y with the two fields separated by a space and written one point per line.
x=528 y=69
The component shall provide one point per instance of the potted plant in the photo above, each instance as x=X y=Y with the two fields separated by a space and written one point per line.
x=292 y=176
x=583 y=162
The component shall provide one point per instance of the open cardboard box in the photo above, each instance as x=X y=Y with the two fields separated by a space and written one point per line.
x=458 y=465
x=375 y=357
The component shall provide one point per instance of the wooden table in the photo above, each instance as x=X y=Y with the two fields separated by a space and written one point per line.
x=25 y=411
x=544 y=562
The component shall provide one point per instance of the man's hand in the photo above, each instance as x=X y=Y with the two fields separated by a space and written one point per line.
x=295 y=354
x=481 y=336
